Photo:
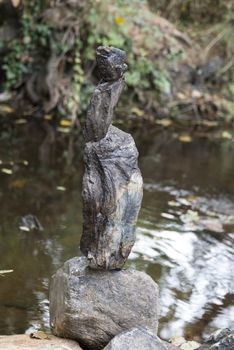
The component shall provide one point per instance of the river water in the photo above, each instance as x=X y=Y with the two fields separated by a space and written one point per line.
x=185 y=230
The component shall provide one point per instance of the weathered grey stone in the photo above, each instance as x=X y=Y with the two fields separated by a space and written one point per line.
x=112 y=194
x=111 y=66
x=112 y=183
x=92 y=306
x=111 y=63
x=137 y=339
x=222 y=339
x=101 y=108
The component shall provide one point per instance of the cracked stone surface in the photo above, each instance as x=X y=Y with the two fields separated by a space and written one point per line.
x=92 y=306
x=112 y=183
x=138 y=339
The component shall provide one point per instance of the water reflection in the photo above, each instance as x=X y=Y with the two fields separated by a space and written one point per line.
x=184 y=185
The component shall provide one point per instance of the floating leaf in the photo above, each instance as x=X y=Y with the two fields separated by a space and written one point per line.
x=18 y=183
x=164 y=122
x=3 y=272
x=24 y=228
x=192 y=198
x=137 y=111
x=61 y=188
x=20 y=121
x=48 y=117
x=174 y=204
x=185 y=138
x=6 y=109
x=168 y=216
x=65 y=122
x=7 y=171
x=64 y=130
x=211 y=123
x=39 y=335
x=226 y=135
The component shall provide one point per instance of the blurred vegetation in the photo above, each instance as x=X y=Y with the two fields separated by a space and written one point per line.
x=48 y=51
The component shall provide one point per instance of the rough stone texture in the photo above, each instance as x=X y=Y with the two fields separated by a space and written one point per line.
x=112 y=194
x=137 y=339
x=93 y=306
x=24 y=342
x=111 y=63
x=112 y=184
x=111 y=66
x=100 y=111
x=222 y=339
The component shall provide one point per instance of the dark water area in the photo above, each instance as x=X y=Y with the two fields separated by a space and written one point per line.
x=185 y=231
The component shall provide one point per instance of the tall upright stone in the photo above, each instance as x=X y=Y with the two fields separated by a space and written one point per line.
x=92 y=299
x=112 y=183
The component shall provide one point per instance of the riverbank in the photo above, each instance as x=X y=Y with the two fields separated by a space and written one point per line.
x=25 y=342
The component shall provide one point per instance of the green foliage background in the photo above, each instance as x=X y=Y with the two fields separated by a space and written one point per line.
x=150 y=82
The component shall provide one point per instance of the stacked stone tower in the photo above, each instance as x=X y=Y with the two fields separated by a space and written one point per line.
x=92 y=299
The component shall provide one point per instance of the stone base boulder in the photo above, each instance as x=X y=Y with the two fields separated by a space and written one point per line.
x=138 y=339
x=93 y=306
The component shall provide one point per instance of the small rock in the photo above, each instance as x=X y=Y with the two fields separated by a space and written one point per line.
x=190 y=345
x=29 y=223
x=39 y=335
x=222 y=339
x=212 y=225
x=137 y=339
x=93 y=306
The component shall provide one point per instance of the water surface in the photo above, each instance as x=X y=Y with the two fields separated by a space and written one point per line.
x=185 y=230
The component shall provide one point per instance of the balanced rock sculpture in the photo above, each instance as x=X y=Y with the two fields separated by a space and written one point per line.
x=91 y=299
x=112 y=184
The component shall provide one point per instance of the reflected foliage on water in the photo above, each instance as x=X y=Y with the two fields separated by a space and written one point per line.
x=185 y=230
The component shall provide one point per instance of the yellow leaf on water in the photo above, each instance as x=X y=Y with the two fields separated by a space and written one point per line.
x=19 y=183
x=119 y=20
x=6 y=108
x=61 y=188
x=164 y=122
x=64 y=130
x=137 y=111
x=48 y=117
x=65 y=122
x=7 y=171
x=185 y=138
x=191 y=198
x=3 y=272
x=226 y=135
